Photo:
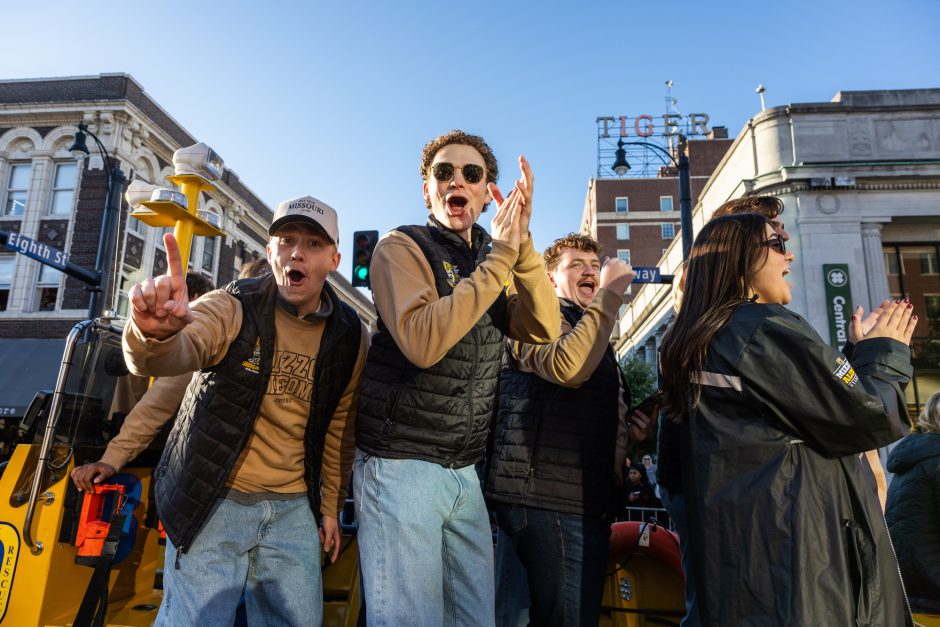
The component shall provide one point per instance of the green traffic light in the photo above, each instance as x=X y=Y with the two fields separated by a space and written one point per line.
x=362 y=273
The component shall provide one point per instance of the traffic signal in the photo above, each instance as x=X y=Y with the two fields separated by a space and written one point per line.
x=363 y=245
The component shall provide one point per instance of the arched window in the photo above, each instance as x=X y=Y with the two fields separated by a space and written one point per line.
x=16 y=189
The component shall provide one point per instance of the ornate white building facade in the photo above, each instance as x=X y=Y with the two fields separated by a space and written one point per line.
x=49 y=197
x=860 y=180
x=58 y=202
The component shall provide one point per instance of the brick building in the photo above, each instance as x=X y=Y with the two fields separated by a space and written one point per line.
x=48 y=196
x=637 y=218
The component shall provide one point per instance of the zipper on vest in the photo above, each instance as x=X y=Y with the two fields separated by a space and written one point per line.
x=474 y=333
x=179 y=552
x=392 y=407
x=534 y=459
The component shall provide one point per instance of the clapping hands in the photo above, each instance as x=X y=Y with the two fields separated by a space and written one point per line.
x=893 y=320
x=510 y=225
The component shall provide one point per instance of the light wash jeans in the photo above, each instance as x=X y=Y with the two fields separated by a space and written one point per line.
x=269 y=550
x=425 y=544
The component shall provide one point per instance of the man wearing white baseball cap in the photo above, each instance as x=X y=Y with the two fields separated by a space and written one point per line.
x=308 y=210
x=261 y=446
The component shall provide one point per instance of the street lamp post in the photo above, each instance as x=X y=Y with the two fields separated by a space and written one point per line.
x=107 y=239
x=621 y=166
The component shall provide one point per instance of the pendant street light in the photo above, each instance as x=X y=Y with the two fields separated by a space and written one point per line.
x=621 y=167
x=112 y=208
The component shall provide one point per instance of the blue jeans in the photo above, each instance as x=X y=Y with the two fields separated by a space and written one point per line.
x=675 y=505
x=269 y=550
x=512 y=585
x=425 y=544
x=565 y=556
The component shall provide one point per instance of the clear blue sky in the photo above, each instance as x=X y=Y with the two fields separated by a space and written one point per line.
x=336 y=99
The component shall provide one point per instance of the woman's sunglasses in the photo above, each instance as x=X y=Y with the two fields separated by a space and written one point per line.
x=776 y=242
x=472 y=173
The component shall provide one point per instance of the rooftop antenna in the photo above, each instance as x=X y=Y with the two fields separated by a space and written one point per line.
x=671 y=108
x=670 y=101
x=760 y=91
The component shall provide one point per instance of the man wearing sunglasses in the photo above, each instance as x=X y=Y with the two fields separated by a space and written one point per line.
x=427 y=393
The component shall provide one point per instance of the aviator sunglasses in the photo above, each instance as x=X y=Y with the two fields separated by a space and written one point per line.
x=776 y=242
x=472 y=173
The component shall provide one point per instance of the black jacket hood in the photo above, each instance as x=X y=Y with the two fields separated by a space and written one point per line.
x=913 y=449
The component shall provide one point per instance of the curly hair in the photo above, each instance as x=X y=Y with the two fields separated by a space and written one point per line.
x=585 y=244
x=256 y=267
x=929 y=419
x=768 y=206
x=459 y=137
x=198 y=284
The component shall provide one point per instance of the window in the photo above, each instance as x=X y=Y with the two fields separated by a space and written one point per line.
x=208 y=254
x=668 y=230
x=133 y=224
x=622 y=205
x=124 y=286
x=932 y=312
x=623 y=231
x=623 y=254
x=63 y=189
x=17 y=190
x=891 y=261
x=665 y=203
x=6 y=279
x=928 y=262
x=136 y=226
x=47 y=288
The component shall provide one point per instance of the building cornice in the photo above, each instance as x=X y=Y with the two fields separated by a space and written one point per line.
x=779 y=189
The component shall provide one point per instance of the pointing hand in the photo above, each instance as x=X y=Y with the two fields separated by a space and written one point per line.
x=160 y=306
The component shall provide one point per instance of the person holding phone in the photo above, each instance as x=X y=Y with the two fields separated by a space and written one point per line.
x=638 y=488
x=784 y=526
x=560 y=438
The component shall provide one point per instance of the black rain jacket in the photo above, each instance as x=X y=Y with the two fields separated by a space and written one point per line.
x=785 y=526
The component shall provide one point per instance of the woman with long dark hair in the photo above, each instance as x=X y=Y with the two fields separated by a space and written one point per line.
x=785 y=527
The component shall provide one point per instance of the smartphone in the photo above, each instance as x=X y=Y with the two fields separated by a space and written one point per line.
x=650 y=404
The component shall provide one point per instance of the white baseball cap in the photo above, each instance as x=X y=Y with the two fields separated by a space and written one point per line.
x=307 y=209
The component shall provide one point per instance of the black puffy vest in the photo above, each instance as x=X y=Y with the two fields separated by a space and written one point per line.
x=439 y=414
x=554 y=447
x=222 y=402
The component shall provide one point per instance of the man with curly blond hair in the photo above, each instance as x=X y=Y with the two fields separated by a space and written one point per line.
x=561 y=436
x=428 y=389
